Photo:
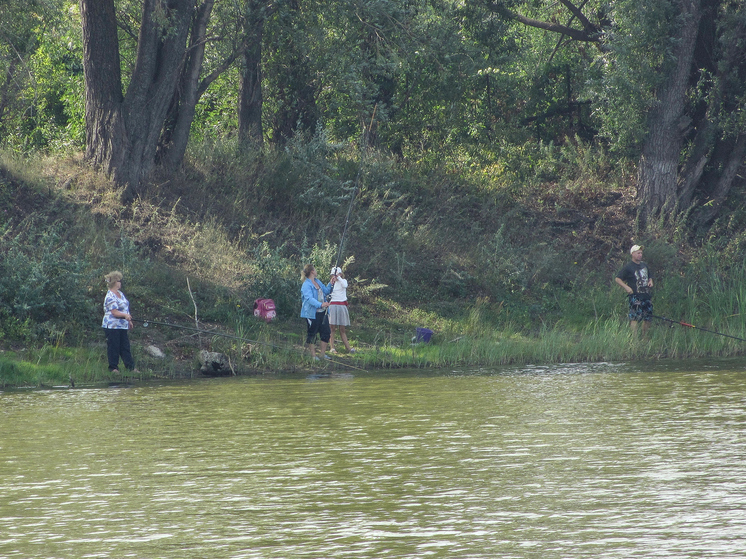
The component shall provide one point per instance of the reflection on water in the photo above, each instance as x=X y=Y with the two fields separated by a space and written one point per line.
x=566 y=461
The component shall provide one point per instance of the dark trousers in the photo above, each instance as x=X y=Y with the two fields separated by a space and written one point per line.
x=320 y=326
x=118 y=345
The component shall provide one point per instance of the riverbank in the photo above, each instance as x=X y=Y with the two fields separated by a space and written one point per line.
x=276 y=349
x=533 y=284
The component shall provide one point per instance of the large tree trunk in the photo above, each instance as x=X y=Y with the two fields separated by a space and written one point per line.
x=718 y=150
x=160 y=54
x=123 y=133
x=657 y=177
x=250 y=94
x=105 y=130
x=175 y=136
x=695 y=146
x=699 y=157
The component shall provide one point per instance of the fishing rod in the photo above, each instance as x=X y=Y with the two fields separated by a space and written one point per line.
x=341 y=242
x=697 y=327
x=146 y=323
x=352 y=200
x=354 y=192
x=347 y=219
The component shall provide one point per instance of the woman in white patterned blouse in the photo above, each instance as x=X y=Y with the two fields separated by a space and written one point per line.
x=117 y=322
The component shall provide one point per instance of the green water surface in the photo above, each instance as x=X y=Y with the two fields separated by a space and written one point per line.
x=571 y=461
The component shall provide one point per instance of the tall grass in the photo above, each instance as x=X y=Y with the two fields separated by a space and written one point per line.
x=471 y=342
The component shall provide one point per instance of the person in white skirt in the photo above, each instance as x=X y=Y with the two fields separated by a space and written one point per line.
x=339 y=316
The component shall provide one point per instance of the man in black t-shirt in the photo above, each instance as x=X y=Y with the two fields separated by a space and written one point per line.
x=635 y=278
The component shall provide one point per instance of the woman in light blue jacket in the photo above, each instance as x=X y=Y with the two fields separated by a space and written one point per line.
x=313 y=294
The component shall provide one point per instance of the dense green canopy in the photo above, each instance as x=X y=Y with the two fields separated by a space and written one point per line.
x=132 y=82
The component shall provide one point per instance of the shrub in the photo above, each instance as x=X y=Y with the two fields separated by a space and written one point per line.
x=42 y=276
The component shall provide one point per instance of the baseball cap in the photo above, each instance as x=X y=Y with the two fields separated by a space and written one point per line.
x=635 y=248
x=335 y=271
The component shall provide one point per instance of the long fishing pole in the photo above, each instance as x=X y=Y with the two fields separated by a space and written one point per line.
x=352 y=200
x=347 y=219
x=354 y=192
x=342 y=240
x=687 y=325
x=147 y=323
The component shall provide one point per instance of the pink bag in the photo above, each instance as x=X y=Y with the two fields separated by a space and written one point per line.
x=265 y=308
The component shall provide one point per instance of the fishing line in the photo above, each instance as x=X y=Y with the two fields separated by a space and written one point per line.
x=687 y=325
x=349 y=208
x=357 y=186
x=147 y=323
x=347 y=219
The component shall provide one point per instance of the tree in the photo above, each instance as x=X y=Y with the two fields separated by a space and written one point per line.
x=175 y=134
x=230 y=32
x=401 y=70
x=717 y=138
x=17 y=44
x=585 y=30
x=540 y=78
x=122 y=130
x=251 y=100
x=694 y=144
x=657 y=174
x=672 y=89
x=40 y=74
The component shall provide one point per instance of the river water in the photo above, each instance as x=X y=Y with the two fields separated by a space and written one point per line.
x=571 y=461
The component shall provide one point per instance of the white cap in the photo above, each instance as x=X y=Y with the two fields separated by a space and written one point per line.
x=335 y=271
x=635 y=248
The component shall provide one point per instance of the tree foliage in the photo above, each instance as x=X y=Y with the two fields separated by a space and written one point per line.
x=41 y=76
x=669 y=76
x=660 y=82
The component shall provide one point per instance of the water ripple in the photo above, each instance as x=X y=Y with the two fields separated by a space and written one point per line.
x=575 y=461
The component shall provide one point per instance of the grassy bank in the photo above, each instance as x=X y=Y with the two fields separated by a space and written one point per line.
x=460 y=344
x=508 y=264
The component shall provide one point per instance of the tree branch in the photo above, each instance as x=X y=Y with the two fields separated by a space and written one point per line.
x=591 y=29
x=575 y=34
x=212 y=76
x=588 y=35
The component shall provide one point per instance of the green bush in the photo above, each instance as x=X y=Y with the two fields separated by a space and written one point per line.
x=42 y=276
x=13 y=328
